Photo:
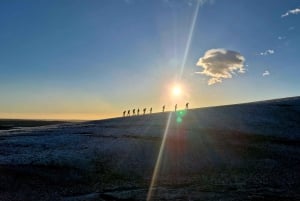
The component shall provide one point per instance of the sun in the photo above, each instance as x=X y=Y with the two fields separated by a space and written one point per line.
x=176 y=90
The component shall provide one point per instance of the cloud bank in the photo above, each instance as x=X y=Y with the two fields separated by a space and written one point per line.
x=291 y=12
x=219 y=64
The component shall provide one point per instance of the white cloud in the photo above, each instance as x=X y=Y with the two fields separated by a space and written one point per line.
x=293 y=12
x=266 y=73
x=267 y=52
x=219 y=64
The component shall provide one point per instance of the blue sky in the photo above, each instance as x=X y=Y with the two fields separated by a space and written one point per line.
x=94 y=59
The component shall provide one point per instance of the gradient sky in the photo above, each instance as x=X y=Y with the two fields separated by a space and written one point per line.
x=73 y=59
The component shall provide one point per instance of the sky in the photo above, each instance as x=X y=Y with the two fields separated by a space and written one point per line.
x=93 y=59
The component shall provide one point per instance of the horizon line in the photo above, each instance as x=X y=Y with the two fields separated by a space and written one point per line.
x=113 y=117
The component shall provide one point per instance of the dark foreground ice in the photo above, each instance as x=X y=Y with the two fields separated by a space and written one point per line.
x=238 y=152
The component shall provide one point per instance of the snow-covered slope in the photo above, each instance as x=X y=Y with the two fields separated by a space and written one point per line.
x=243 y=136
x=280 y=117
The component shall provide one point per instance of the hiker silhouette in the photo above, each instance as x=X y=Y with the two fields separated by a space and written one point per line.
x=151 y=110
x=144 y=110
x=124 y=113
x=128 y=113
x=163 y=108
x=175 y=107
x=133 y=112
x=187 y=106
x=138 y=111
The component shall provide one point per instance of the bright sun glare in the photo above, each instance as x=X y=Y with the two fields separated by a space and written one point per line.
x=176 y=90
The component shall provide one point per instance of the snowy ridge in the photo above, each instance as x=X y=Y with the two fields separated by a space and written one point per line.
x=248 y=139
x=280 y=118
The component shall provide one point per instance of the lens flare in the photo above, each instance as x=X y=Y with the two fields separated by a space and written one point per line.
x=188 y=44
x=176 y=91
x=158 y=161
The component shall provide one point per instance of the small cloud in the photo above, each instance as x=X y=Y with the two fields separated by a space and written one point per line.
x=291 y=12
x=281 y=37
x=128 y=1
x=267 y=52
x=291 y=28
x=219 y=64
x=201 y=2
x=187 y=2
x=266 y=73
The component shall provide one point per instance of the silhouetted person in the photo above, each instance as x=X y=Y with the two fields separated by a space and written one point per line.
x=128 y=113
x=175 y=107
x=144 y=110
x=133 y=112
x=151 y=110
x=163 y=110
x=138 y=111
x=187 y=106
x=124 y=113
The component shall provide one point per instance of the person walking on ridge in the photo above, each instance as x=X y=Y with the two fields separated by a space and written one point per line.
x=150 y=110
x=175 y=107
x=133 y=112
x=128 y=113
x=163 y=108
x=138 y=111
x=187 y=106
x=144 y=110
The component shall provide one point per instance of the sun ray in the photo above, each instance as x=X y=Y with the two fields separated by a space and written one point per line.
x=175 y=91
x=157 y=165
x=188 y=44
